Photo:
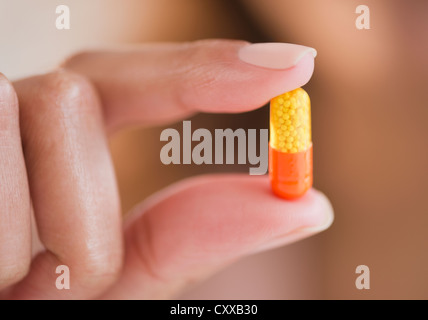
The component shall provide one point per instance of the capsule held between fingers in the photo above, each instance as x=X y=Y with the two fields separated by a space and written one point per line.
x=290 y=145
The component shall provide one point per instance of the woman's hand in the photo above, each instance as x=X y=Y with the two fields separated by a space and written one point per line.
x=55 y=164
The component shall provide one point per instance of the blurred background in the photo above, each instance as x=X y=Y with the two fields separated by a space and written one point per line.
x=369 y=107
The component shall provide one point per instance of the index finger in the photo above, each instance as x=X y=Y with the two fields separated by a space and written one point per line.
x=158 y=83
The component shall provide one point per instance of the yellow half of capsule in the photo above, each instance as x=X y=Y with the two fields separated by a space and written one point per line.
x=290 y=122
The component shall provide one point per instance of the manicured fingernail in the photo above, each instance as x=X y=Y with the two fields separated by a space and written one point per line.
x=274 y=55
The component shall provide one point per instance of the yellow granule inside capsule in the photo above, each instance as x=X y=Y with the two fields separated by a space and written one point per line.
x=290 y=121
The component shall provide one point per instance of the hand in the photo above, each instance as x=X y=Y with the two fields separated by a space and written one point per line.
x=55 y=164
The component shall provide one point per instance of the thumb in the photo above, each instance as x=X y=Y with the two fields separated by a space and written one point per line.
x=193 y=228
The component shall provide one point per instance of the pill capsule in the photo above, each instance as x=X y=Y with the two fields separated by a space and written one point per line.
x=290 y=145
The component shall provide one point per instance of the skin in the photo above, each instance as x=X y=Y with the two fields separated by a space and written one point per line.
x=57 y=165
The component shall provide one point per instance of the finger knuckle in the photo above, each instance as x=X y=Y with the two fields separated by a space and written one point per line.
x=66 y=92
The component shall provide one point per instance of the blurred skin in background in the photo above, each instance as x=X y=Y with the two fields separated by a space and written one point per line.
x=369 y=110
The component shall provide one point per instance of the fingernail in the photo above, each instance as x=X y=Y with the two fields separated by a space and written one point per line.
x=274 y=55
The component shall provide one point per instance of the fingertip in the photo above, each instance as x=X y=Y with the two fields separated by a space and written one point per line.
x=303 y=71
x=313 y=213
x=324 y=210
x=240 y=87
x=293 y=78
x=253 y=195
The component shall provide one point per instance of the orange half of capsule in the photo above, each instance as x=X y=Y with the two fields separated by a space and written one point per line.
x=290 y=146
